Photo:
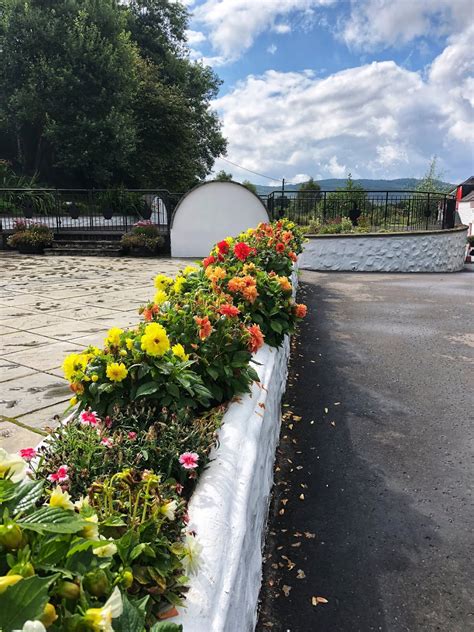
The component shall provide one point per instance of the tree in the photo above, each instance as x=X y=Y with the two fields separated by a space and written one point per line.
x=104 y=93
x=432 y=180
x=251 y=187
x=348 y=201
x=309 y=194
x=223 y=176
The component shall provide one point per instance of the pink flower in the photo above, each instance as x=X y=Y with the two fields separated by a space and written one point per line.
x=60 y=476
x=189 y=460
x=28 y=453
x=132 y=435
x=89 y=418
x=108 y=442
x=108 y=422
x=179 y=488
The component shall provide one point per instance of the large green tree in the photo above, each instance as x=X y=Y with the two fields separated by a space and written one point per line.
x=99 y=92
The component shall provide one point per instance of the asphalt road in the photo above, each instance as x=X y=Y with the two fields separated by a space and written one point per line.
x=378 y=438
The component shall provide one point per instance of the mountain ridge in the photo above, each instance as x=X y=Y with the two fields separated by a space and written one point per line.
x=331 y=184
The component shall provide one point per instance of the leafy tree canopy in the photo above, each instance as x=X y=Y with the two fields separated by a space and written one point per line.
x=100 y=93
x=432 y=180
x=223 y=176
x=251 y=187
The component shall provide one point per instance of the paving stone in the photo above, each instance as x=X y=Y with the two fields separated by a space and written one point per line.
x=20 y=341
x=68 y=330
x=13 y=438
x=32 y=392
x=46 y=417
x=51 y=356
x=11 y=370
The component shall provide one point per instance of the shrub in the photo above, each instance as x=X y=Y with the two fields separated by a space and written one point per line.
x=144 y=235
x=26 y=233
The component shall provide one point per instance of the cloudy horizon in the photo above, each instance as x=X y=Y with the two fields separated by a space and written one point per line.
x=321 y=88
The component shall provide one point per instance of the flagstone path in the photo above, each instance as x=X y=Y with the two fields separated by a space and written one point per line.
x=52 y=306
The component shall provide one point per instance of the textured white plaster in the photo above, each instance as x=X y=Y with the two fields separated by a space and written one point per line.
x=209 y=213
x=228 y=509
x=432 y=252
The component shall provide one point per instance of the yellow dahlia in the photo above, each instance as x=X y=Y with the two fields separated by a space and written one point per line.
x=154 y=341
x=162 y=282
x=113 y=337
x=179 y=352
x=160 y=297
x=116 y=372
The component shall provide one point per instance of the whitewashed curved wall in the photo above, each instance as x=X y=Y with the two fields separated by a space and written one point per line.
x=209 y=213
x=440 y=251
x=228 y=509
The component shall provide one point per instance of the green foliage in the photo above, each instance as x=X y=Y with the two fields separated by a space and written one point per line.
x=144 y=235
x=432 y=180
x=30 y=234
x=98 y=93
x=251 y=187
x=223 y=176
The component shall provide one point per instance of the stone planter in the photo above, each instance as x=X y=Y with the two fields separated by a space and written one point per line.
x=140 y=251
x=229 y=507
x=29 y=249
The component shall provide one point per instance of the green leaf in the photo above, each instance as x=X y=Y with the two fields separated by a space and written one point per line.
x=52 y=551
x=165 y=626
x=24 y=601
x=172 y=389
x=147 y=389
x=276 y=326
x=143 y=370
x=213 y=372
x=53 y=520
x=132 y=618
x=20 y=496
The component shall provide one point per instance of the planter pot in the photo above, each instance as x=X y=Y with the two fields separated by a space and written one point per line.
x=28 y=249
x=108 y=214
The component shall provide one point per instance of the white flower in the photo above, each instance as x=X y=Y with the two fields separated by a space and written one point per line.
x=169 y=509
x=82 y=503
x=61 y=499
x=192 y=550
x=12 y=466
x=101 y=618
x=108 y=550
x=91 y=531
x=32 y=626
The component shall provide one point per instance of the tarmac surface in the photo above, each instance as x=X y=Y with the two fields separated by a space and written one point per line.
x=373 y=507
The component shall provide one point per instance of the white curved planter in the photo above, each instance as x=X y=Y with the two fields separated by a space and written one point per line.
x=228 y=509
x=431 y=251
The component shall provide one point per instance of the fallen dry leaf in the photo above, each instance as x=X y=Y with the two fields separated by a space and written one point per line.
x=316 y=600
x=296 y=544
x=296 y=418
x=326 y=410
x=300 y=574
x=286 y=590
x=301 y=496
x=309 y=535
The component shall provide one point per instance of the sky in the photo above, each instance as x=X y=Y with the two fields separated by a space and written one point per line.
x=322 y=88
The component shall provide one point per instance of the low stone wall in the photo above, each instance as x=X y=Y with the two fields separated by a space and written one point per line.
x=430 y=251
x=228 y=509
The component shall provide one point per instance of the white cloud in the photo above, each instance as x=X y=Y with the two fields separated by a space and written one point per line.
x=383 y=23
x=300 y=177
x=233 y=25
x=195 y=37
x=375 y=120
x=272 y=49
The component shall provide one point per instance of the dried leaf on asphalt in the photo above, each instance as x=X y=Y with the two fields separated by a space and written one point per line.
x=309 y=535
x=286 y=590
x=316 y=600
x=296 y=418
x=300 y=574
x=326 y=410
x=296 y=544
x=284 y=501
x=333 y=423
x=301 y=496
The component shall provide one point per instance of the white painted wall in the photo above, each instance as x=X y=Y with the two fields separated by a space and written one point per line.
x=211 y=212
x=443 y=251
x=466 y=213
x=228 y=509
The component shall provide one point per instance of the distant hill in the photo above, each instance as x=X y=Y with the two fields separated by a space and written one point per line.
x=331 y=184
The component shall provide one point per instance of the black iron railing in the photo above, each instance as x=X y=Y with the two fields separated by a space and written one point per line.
x=371 y=210
x=87 y=210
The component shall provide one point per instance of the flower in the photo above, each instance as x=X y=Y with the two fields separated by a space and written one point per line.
x=154 y=341
x=168 y=509
x=9 y=580
x=191 y=550
x=223 y=247
x=108 y=550
x=147 y=313
x=300 y=310
x=100 y=619
x=286 y=236
x=285 y=284
x=132 y=435
x=61 y=476
x=129 y=343
x=178 y=284
x=189 y=460
x=229 y=310
x=162 y=282
x=107 y=441
x=95 y=377
x=189 y=269
x=280 y=247
x=179 y=352
x=292 y=256
x=12 y=466
x=256 y=338
x=91 y=531
x=113 y=337
x=32 y=626
x=27 y=453
x=74 y=363
x=116 y=372
x=205 y=327
x=73 y=401
x=89 y=418
x=159 y=299
x=242 y=250
x=61 y=499
x=208 y=261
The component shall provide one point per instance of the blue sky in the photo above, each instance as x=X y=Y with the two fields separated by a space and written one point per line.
x=323 y=87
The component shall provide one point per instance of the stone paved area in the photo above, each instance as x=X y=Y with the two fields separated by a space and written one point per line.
x=52 y=306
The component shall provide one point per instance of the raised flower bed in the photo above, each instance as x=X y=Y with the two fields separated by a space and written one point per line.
x=98 y=535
